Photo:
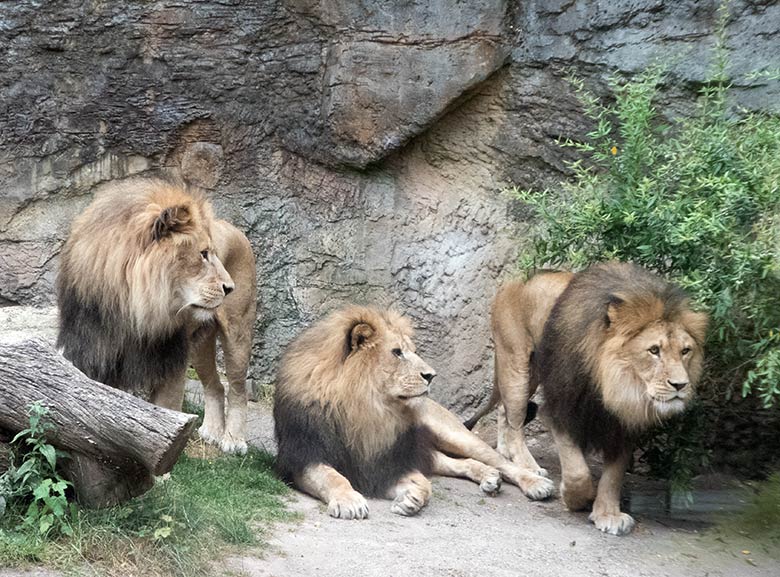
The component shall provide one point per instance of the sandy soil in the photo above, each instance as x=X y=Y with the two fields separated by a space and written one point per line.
x=463 y=533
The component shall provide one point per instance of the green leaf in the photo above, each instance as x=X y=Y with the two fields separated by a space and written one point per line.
x=25 y=467
x=49 y=452
x=162 y=533
x=45 y=523
x=43 y=489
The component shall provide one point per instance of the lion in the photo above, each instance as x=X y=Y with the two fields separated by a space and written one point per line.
x=353 y=420
x=146 y=281
x=616 y=349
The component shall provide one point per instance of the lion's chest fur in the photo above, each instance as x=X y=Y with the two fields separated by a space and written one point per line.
x=311 y=433
x=101 y=346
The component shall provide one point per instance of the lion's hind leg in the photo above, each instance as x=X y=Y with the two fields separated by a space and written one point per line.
x=332 y=488
x=577 y=489
x=410 y=494
x=204 y=359
x=453 y=438
x=488 y=478
x=512 y=380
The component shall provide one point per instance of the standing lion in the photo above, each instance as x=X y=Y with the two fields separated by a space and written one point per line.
x=352 y=419
x=616 y=349
x=141 y=279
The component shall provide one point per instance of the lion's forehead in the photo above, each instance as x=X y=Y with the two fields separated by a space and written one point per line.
x=666 y=334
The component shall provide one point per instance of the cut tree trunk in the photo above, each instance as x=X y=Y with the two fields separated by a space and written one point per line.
x=118 y=441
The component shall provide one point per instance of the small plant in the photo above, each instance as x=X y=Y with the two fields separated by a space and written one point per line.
x=206 y=507
x=32 y=488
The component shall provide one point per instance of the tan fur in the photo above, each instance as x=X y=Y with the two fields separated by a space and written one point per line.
x=634 y=379
x=518 y=314
x=360 y=366
x=233 y=327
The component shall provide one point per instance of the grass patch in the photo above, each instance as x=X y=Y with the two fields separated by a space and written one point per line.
x=759 y=523
x=206 y=508
x=193 y=409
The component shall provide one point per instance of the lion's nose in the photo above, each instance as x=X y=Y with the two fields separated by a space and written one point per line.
x=228 y=288
x=428 y=377
x=678 y=386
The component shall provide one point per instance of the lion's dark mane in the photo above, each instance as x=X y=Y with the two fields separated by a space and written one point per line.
x=572 y=401
x=306 y=436
x=99 y=344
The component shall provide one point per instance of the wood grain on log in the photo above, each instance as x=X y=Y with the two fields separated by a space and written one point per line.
x=91 y=418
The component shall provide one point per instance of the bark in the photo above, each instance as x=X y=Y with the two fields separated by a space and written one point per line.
x=117 y=441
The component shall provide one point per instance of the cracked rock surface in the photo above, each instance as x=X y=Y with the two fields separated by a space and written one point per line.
x=361 y=145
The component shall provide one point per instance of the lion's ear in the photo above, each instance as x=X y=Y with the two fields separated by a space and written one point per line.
x=172 y=219
x=613 y=309
x=361 y=336
x=696 y=325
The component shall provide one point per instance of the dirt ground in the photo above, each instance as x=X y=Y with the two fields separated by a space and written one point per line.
x=465 y=534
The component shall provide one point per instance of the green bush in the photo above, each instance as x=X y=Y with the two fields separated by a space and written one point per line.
x=696 y=199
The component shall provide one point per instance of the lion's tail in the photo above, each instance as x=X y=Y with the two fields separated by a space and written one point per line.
x=530 y=414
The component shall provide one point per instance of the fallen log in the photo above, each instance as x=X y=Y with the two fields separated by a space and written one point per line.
x=115 y=438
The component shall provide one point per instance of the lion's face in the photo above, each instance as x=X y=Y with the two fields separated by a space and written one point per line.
x=183 y=247
x=661 y=356
x=404 y=375
x=408 y=375
x=204 y=282
x=650 y=372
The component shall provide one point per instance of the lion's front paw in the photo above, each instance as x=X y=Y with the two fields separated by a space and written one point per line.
x=538 y=488
x=350 y=505
x=233 y=446
x=491 y=483
x=408 y=504
x=209 y=436
x=614 y=524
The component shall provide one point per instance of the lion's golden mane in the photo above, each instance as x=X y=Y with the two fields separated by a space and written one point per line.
x=318 y=369
x=134 y=260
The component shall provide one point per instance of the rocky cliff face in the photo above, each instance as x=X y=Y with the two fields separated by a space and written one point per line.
x=361 y=145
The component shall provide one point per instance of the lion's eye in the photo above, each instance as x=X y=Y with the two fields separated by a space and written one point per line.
x=654 y=350
x=398 y=353
x=685 y=351
x=204 y=254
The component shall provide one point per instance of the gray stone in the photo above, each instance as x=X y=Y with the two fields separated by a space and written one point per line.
x=362 y=146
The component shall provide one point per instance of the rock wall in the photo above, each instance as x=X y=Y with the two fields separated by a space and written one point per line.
x=362 y=145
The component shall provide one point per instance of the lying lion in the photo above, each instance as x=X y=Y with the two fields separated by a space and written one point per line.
x=148 y=280
x=352 y=419
x=616 y=350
